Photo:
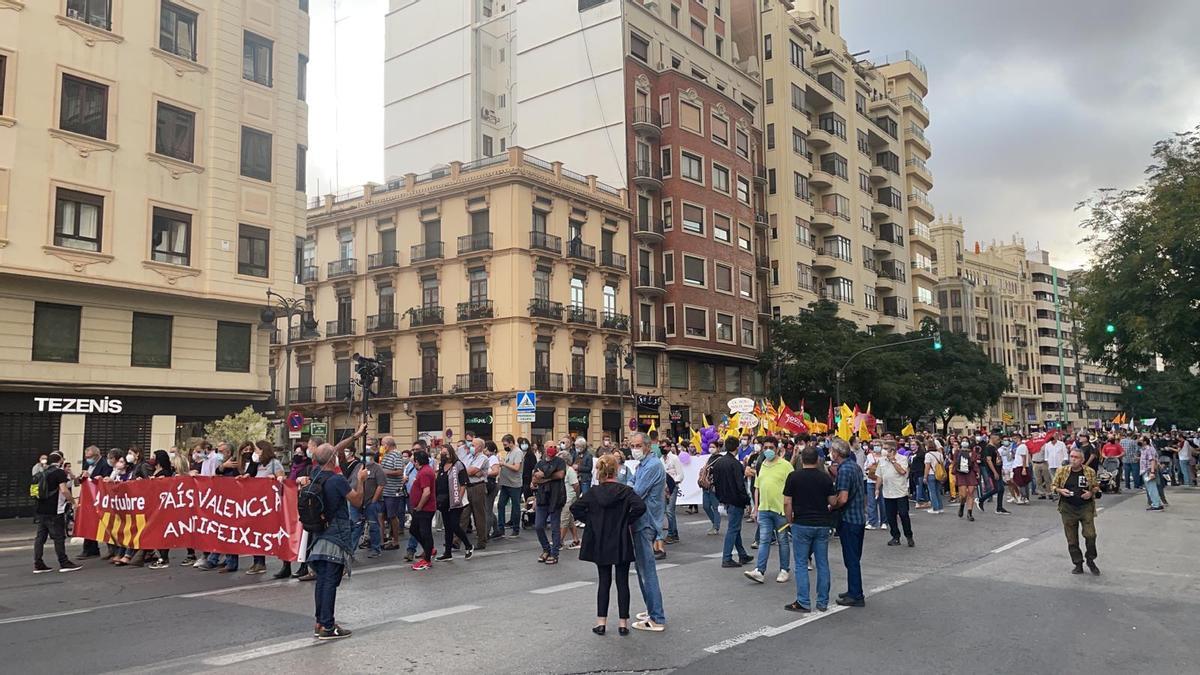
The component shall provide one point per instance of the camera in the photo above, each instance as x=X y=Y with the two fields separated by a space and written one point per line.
x=368 y=369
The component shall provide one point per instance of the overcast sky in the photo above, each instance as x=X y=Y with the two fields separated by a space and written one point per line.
x=1035 y=103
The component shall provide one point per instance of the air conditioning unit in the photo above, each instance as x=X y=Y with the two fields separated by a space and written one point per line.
x=489 y=115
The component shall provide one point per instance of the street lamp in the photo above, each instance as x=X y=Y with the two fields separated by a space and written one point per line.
x=277 y=306
x=937 y=346
x=616 y=354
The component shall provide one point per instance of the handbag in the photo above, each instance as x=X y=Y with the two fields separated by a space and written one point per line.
x=963 y=464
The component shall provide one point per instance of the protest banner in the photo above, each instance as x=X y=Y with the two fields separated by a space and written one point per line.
x=216 y=515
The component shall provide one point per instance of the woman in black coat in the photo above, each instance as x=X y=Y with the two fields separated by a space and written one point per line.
x=608 y=510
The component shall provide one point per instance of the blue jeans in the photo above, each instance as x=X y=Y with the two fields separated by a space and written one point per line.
x=371 y=522
x=542 y=516
x=733 y=535
x=711 y=508
x=874 y=506
x=672 y=522
x=768 y=523
x=509 y=495
x=329 y=575
x=1185 y=468
x=851 y=537
x=811 y=540
x=1133 y=479
x=935 y=492
x=643 y=551
x=231 y=561
x=585 y=484
x=1152 y=492
x=919 y=490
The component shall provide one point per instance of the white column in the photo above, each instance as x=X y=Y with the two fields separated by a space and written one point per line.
x=162 y=432
x=70 y=438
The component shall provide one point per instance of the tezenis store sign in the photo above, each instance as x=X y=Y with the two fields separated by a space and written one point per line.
x=78 y=405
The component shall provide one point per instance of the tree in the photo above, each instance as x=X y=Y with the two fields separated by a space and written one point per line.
x=958 y=379
x=1145 y=282
x=245 y=426
x=1172 y=396
x=805 y=353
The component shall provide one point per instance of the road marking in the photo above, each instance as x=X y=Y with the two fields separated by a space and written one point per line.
x=232 y=589
x=712 y=555
x=259 y=652
x=51 y=615
x=663 y=566
x=815 y=616
x=10 y=549
x=484 y=554
x=380 y=568
x=438 y=613
x=1010 y=544
x=738 y=640
x=560 y=587
x=698 y=522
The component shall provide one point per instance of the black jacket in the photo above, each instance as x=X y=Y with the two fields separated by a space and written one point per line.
x=729 y=480
x=608 y=510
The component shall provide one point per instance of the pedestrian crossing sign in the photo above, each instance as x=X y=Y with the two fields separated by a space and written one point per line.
x=526 y=401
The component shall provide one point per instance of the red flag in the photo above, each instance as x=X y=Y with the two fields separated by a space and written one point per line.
x=829 y=416
x=791 y=421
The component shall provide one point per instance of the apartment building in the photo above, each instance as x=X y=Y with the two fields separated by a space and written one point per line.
x=1016 y=306
x=847 y=223
x=662 y=98
x=151 y=191
x=469 y=284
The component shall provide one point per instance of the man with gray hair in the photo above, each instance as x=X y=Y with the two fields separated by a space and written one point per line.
x=94 y=468
x=477 y=462
x=851 y=525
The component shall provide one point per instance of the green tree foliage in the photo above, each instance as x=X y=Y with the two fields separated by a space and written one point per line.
x=1172 y=396
x=247 y=425
x=904 y=382
x=1145 y=281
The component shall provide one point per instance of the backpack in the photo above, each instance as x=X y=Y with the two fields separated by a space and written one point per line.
x=704 y=480
x=310 y=504
x=939 y=471
x=38 y=487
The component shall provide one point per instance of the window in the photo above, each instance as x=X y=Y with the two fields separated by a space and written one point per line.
x=151 y=342
x=803 y=233
x=864 y=143
x=797 y=98
x=769 y=90
x=664 y=110
x=799 y=142
x=864 y=181
x=171 y=237
x=78 y=220
x=304 y=8
x=722 y=227
x=3 y=72
x=720 y=130
x=720 y=178
x=693 y=270
x=889 y=161
x=840 y=248
x=177 y=31
x=804 y=275
x=256 y=58
x=747 y=280
x=55 y=332
x=233 y=347
x=733 y=379
x=674 y=22
x=175 y=133
x=691 y=167
x=743 y=144
x=695 y=322
x=665 y=158
x=868 y=257
x=835 y=84
x=800 y=186
x=254 y=245
x=747 y=333
x=770 y=136
x=669 y=318
x=96 y=13
x=647 y=370
x=870 y=300
x=302 y=77
x=767 y=48
x=796 y=55
x=833 y=123
x=693 y=219
x=301 y=168
x=744 y=236
x=840 y=289
x=837 y=205
x=84 y=108
x=488 y=149
x=743 y=190
x=689 y=117
x=679 y=373
x=771 y=181
x=860 y=103
x=723 y=278
x=639 y=47
x=669 y=268
x=697 y=31
x=835 y=164
x=706 y=377
x=774 y=272
x=256 y=154
x=724 y=327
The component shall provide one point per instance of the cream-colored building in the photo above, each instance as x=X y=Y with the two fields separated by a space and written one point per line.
x=151 y=191
x=846 y=169
x=469 y=284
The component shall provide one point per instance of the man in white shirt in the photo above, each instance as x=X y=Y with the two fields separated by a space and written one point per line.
x=1055 y=453
x=674 y=469
x=892 y=482
x=1021 y=472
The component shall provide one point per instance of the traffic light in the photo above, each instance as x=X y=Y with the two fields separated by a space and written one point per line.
x=937 y=343
x=1138 y=387
x=1110 y=328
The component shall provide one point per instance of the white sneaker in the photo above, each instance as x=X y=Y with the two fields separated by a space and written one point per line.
x=810 y=567
x=754 y=575
x=784 y=577
x=1010 y=500
x=933 y=512
x=870 y=526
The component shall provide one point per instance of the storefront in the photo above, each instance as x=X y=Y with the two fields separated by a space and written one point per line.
x=647 y=412
x=430 y=425
x=478 y=421
x=611 y=424
x=578 y=421
x=542 y=427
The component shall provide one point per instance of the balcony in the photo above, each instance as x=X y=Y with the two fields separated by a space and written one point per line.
x=309 y=274
x=646 y=122
x=474 y=381
x=761 y=218
x=583 y=384
x=338 y=392
x=544 y=380
x=915 y=135
x=889 y=269
x=540 y=241
x=611 y=320
x=613 y=260
x=427 y=252
x=376 y=261
x=378 y=322
x=981 y=337
x=921 y=234
x=649 y=231
x=474 y=243
x=475 y=310
x=545 y=309
x=297 y=334
x=302 y=395
x=820 y=179
x=577 y=250
x=647 y=175
x=919 y=270
x=822 y=219
x=649 y=282
x=648 y=336
x=917 y=167
x=913 y=103
x=880 y=175
x=426 y=385
x=763 y=261
x=824 y=261
x=385 y=389
x=429 y=315
x=346 y=267
x=581 y=315
x=760 y=174
x=339 y=327
x=616 y=386
x=819 y=138
x=921 y=205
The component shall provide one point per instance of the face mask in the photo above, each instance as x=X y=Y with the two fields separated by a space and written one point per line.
x=757 y=447
x=370 y=459
x=197 y=457
x=255 y=457
x=607 y=442
x=43 y=462
x=743 y=443
x=638 y=453
x=965 y=444
x=562 y=446
x=131 y=458
x=656 y=449
x=524 y=446
x=220 y=456
x=552 y=451
x=90 y=461
x=769 y=454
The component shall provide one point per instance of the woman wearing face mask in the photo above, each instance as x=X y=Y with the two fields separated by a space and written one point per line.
x=261 y=462
x=163 y=468
x=572 y=491
x=127 y=468
x=965 y=468
x=874 y=501
x=511 y=474
x=549 y=497
x=451 y=490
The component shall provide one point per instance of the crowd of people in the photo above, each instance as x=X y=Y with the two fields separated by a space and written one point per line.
x=617 y=502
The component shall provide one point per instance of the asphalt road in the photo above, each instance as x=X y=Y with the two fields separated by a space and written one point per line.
x=992 y=595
